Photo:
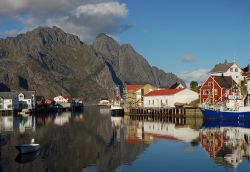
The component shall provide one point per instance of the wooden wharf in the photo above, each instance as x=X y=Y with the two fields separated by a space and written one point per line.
x=6 y=112
x=170 y=112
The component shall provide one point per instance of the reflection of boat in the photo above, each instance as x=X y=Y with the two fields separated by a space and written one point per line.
x=104 y=111
x=27 y=157
x=3 y=139
x=227 y=140
x=62 y=119
x=28 y=148
x=225 y=123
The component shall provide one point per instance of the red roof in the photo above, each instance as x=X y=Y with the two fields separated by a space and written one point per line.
x=66 y=97
x=133 y=87
x=164 y=92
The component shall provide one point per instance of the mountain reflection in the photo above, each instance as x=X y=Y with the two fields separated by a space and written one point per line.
x=227 y=142
x=69 y=142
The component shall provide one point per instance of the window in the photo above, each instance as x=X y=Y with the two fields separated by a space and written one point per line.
x=209 y=83
x=231 y=69
x=149 y=102
x=215 y=92
x=153 y=102
x=166 y=102
x=236 y=69
x=206 y=92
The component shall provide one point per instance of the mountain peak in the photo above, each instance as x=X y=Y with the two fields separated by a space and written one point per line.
x=106 y=44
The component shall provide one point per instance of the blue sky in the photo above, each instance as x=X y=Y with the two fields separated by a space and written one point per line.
x=186 y=37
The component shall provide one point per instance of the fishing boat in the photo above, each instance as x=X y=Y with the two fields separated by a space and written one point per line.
x=28 y=148
x=116 y=107
x=233 y=108
x=234 y=105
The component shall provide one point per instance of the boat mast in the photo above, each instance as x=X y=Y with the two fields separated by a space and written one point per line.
x=213 y=90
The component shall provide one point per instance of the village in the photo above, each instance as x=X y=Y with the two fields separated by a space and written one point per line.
x=223 y=78
x=28 y=101
x=221 y=82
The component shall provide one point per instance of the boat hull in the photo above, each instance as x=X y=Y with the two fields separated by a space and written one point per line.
x=213 y=114
x=28 y=148
x=117 y=112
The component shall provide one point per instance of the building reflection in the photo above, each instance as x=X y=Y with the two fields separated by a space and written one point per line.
x=175 y=129
x=31 y=122
x=227 y=142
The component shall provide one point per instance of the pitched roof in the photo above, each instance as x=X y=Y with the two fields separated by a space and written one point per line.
x=225 y=81
x=133 y=87
x=175 y=85
x=221 y=67
x=164 y=92
x=246 y=69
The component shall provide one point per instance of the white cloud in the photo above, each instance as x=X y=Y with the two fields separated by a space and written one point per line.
x=86 y=18
x=113 y=9
x=188 y=58
x=199 y=75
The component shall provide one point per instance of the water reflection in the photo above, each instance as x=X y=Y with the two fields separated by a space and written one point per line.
x=175 y=129
x=69 y=142
x=94 y=141
x=227 y=142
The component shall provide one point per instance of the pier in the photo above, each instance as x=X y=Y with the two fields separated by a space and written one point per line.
x=170 y=112
x=6 y=112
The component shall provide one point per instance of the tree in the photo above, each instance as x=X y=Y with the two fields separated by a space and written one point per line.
x=194 y=85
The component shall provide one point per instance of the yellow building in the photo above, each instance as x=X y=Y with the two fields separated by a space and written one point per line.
x=135 y=93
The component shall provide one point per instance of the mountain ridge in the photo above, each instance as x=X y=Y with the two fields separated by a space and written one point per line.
x=54 y=62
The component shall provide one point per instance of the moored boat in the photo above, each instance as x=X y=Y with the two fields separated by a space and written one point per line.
x=117 y=110
x=28 y=148
x=116 y=107
x=234 y=106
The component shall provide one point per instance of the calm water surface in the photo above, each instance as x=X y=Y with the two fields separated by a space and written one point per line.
x=93 y=141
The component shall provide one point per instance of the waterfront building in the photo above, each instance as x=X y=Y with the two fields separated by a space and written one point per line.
x=228 y=69
x=135 y=93
x=61 y=99
x=16 y=100
x=169 y=97
x=216 y=89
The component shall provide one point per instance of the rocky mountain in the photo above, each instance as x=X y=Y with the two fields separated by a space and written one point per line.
x=53 y=62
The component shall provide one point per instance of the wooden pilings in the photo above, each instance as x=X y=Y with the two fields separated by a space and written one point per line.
x=187 y=112
x=6 y=112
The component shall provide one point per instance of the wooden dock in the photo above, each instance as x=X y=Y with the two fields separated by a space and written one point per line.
x=6 y=112
x=175 y=112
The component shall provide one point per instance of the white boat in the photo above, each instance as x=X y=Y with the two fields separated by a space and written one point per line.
x=104 y=102
x=116 y=108
x=28 y=148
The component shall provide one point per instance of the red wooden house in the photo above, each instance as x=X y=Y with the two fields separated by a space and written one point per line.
x=216 y=88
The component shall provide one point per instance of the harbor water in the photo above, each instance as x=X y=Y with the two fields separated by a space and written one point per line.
x=94 y=141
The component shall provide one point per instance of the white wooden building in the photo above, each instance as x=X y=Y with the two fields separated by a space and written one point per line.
x=228 y=69
x=169 y=97
x=61 y=99
x=16 y=100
